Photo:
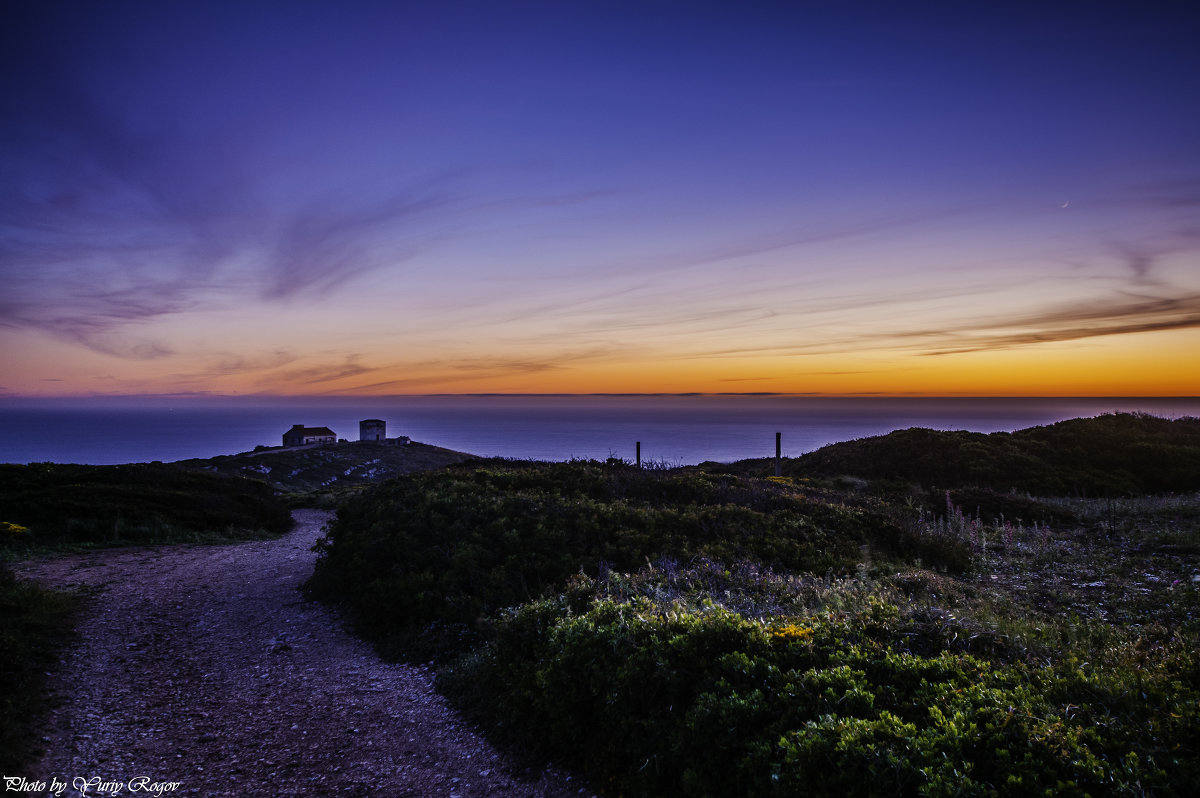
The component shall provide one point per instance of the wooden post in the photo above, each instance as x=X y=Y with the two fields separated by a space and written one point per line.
x=778 y=454
x=639 y=454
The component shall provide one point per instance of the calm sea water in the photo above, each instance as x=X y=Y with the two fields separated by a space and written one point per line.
x=678 y=430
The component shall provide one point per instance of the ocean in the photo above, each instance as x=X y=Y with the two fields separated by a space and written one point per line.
x=673 y=430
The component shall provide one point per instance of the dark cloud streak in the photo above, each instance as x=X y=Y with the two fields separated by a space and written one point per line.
x=1071 y=323
x=317 y=375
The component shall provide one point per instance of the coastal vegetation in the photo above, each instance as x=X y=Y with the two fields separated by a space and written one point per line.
x=848 y=628
x=47 y=506
x=922 y=613
x=1118 y=454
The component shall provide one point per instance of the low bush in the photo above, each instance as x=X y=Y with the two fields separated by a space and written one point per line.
x=455 y=546
x=64 y=505
x=661 y=699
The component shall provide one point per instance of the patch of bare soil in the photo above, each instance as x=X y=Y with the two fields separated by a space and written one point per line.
x=203 y=671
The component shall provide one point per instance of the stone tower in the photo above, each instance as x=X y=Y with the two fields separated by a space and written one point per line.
x=372 y=429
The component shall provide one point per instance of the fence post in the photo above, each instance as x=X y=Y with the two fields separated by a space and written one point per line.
x=778 y=454
x=639 y=454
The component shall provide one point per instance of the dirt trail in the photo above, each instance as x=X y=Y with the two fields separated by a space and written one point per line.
x=203 y=670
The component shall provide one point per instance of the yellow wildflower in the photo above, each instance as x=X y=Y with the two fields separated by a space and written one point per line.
x=789 y=632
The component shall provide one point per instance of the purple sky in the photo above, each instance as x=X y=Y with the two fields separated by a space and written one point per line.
x=387 y=197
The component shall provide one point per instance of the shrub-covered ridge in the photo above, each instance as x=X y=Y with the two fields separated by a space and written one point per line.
x=58 y=505
x=455 y=546
x=692 y=632
x=1111 y=455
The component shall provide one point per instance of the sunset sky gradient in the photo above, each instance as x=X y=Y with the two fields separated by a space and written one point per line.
x=320 y=198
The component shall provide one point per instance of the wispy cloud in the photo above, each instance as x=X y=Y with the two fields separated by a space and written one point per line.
x=421 y=375
x=1072 y=322
x=98 y=320
x=113 y=216
x=322 y=374
x=68 y=278
x=1143 y=301
x=335 y=237
x=779 y=240
x=230 y=364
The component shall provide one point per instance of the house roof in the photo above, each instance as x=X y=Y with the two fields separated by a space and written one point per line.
x=312 y=430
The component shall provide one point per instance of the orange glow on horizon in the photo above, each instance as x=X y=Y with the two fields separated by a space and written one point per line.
x=1145 y=365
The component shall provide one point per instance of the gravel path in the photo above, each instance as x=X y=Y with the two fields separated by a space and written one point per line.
x=203 y=670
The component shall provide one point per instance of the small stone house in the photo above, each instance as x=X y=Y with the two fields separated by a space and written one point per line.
x=299 y=435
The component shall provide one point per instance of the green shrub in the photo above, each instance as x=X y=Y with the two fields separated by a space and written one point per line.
x=139 y=503
x=659 y=700
x=454 y=547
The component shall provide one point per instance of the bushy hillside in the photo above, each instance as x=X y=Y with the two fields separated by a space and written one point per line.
x=697 y=632
x=453 y=546
x=1111 y=455
x=45 y=504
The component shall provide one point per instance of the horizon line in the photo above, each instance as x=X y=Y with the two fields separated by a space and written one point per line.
x=595 y=394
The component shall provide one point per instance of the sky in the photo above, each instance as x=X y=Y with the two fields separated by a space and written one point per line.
x=342 y=198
